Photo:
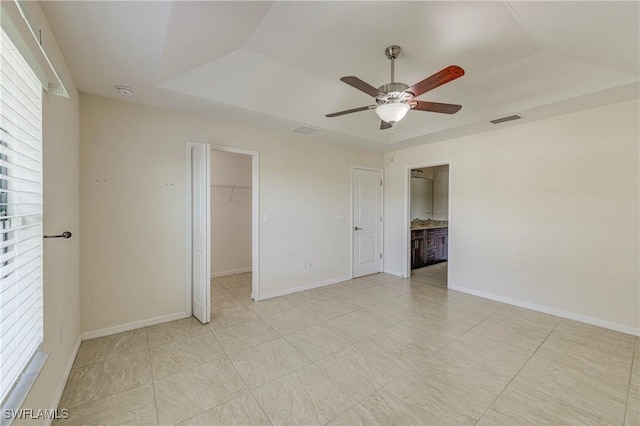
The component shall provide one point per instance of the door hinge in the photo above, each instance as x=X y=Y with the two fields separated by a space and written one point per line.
x=380 y=218
x=381 y=182
x=380 y=255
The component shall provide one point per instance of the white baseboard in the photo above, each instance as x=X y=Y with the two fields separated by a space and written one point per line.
x=304 y=287
x=55 y=402
x=396 y=273
x=553 y=311
x=132 y=325
x=230 y=272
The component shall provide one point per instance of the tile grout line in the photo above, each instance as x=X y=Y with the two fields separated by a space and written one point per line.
x=466 y=331
x=153 y=380
x=633 y=360
x=517 y=373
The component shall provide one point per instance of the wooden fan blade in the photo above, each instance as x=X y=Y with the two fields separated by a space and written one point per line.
x=349 y=111
x=438 y=79
x=436 y=107
x=384 y=125
x=361 y=85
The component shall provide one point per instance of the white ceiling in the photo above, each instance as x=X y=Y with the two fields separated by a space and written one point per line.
x=277 y=65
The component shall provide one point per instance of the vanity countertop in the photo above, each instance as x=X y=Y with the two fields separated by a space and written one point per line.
x=418 y=224
x=418 y=228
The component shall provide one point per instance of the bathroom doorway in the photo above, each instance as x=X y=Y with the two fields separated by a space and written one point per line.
x=428 y=227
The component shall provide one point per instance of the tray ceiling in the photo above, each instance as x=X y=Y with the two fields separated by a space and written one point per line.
x=277 y=65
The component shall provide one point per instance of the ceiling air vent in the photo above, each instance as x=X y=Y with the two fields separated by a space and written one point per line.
x=505 y=119
x=307 y=130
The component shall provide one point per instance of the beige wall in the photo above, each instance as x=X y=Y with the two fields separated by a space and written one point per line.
x=531 y=221
x=61 y=213
x=133 y=208
x=230 y=214
x=440 y=192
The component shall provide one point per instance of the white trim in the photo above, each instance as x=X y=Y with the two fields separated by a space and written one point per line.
x=230 y=272
x=396 y=273
x=351 y=235
x=187 y=304
x=407 y=211
x=55 y=402
x=255 y=213
x=304 y=287
x=133 y=325
x=552 y=311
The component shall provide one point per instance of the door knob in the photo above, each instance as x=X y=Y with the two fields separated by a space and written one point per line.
x=358 y=229
x=65 y=234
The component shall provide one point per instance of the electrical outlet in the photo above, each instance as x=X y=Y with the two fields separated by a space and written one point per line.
x=511 y=275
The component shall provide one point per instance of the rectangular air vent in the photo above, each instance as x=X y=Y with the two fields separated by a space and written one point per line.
x=307 y=130
x=505 y=119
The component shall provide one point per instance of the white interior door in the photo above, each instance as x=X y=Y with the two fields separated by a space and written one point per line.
x=367 y=222
x=200 y=236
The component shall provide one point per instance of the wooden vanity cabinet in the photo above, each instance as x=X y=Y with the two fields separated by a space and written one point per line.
x=429 y=246
x=442 y=247
x=417 y=249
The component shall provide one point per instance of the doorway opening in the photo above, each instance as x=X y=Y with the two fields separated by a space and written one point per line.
x=222 y=227
x=231 y=199
x=428 y=226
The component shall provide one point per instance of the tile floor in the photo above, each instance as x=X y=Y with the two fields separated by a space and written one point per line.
x=375 y=350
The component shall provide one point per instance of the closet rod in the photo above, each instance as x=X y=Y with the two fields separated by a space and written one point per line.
x=232 y=186
x=233 y=189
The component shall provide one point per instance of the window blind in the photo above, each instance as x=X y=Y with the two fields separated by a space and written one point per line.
x=20 y=216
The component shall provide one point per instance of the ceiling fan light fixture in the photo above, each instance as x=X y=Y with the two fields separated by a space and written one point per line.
x=392 y=112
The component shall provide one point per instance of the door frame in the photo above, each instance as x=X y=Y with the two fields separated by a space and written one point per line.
x=255 y=222
x=407 y=212
x=351 y=234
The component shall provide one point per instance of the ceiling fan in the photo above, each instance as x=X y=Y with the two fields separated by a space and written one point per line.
x=395 y=99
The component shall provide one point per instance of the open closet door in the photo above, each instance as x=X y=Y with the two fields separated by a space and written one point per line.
x=200 y=235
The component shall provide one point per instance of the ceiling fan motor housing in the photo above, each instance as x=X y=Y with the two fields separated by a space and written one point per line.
x=394 y=93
